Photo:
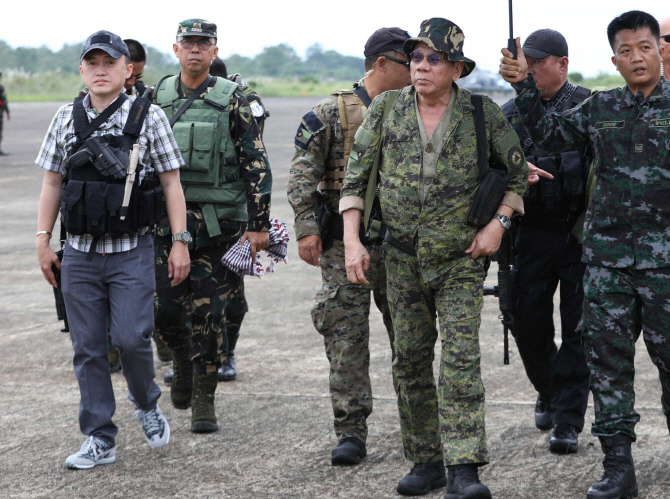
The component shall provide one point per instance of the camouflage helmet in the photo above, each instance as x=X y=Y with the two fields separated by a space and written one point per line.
x=442 y=35
x=197 y=27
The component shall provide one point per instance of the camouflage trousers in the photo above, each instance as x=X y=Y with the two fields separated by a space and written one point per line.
x=193 y=313
x=447 y=422
x=341 y=315
x=618 y=305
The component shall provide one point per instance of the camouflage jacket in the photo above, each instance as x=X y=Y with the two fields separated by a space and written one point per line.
x=438 y=230
x=628 y=219
x=4 y=105
x=319 y=139
x=252 y=157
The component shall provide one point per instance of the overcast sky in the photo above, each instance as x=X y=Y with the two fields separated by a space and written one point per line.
x=249 y=26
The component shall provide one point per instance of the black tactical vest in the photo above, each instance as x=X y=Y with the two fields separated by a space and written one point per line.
x=554 y=204
x=94 y=178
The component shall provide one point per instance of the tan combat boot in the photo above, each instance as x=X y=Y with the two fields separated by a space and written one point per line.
x=203 y=418
x=181 y=388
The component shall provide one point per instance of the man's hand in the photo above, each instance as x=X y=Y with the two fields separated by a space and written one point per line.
x=47 y=258
x=513 y=70
x=259 y=241
x=9 y=117
x=357 y=261
x=179 y=262
x=535 y=174
x=309 y=249
x=487 y=240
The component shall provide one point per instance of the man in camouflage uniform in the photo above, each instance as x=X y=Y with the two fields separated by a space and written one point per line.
x=626 y=250
x=341 y=311
x=228 y=197
x=435 y=261
x=4 y=108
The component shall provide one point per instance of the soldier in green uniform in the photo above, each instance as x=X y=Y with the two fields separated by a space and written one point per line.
x=435 y=261
x=626 y=250
x=4 y=108
x=227 y=184
x=341 y=311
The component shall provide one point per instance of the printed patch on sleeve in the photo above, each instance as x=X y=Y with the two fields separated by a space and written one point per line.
x=312 y=122
x=608 y=125
x=515 y=157
x=663 y=123
x=256 y=109
x=303 y=137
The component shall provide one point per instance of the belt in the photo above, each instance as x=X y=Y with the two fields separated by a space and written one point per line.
x=392 y=241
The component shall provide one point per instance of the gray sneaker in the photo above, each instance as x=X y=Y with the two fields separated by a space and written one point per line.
x=155 y=426
x=94 y=452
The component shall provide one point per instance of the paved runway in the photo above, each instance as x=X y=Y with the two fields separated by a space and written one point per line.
x=276 y=420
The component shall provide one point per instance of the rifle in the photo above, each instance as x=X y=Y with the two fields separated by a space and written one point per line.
x=503 y=291
x=61 y=313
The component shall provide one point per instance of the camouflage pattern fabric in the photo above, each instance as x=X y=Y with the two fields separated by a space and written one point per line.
x=619 y=304
x=193 y=313
x=444 y=36
x=447 y=423
x=237 y=309
x=197 y=27
x=341 y=309
x=627 y=218
x=4 y=108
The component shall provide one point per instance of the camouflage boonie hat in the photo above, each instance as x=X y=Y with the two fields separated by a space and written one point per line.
x=197 y=27
x=444 y=36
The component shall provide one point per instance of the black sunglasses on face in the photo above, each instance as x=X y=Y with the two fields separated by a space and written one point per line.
x=433 y=59
x=666 y=38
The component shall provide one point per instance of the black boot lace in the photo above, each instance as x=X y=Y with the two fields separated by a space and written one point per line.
x=614 y=466
x=466 y=474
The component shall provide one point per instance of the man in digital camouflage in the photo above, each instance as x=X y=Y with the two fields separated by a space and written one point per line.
x=4 y=108
x=227 y=183
x=341 y=311
x=626 y=250
x=428 y=179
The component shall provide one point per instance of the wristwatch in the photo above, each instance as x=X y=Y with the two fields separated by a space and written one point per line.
x=504 y=220
x=183 y=237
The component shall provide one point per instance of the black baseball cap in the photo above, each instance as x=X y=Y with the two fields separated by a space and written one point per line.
x=385 y=40
x=107 y=41
x=545 y=42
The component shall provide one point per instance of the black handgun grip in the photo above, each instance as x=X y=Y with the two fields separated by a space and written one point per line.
x=511 y=46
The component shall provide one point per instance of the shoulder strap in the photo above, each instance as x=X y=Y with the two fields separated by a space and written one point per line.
x=82 y=128
x=190 y=100
x=371 y=190
x=480 y=132
x=363 y=95
x=221 y=92
x=136 y=116
x=580 y=95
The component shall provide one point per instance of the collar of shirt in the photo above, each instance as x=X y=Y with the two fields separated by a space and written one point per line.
x=113 y=119
x=629 y=100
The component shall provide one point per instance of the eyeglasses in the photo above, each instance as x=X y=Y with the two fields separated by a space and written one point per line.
x=666 y=38
x=202 y=44
x=399 y=61
x=433 y=59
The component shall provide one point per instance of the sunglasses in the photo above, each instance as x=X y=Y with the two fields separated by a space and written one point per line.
x=399 y=61
x=202 y=44
x=433 y=59
x=665 y=38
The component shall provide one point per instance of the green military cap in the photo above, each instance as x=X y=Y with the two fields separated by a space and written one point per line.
x=442 y=35
x=197 y=27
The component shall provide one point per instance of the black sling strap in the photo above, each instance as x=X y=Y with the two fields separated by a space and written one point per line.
x=480 y=132
x=190 y=100
x=580 y=95
x=363 y=95
x=82 y=127
x=138 y=112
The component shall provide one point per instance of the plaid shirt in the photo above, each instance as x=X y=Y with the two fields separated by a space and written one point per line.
x=158 y=152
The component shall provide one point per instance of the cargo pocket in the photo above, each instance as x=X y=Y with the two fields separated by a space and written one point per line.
x=72 y=209
x=327 y=312
x=589 y=324
x=151 y=206
x=203 y=146
x=95 y=208
x=183 y=134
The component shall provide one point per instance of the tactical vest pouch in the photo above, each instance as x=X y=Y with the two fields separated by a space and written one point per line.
x=151 y=202
x=549 y=189
x=202 y=153
x=95 y=203
x=106 y=161
x=572 y=173
x=183 y=134
x=72 y=211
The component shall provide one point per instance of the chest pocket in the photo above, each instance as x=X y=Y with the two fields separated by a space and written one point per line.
x=460 y=155
x=198 y=139
x=398 y=150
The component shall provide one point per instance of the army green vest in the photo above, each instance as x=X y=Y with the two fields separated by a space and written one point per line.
x=211 y=176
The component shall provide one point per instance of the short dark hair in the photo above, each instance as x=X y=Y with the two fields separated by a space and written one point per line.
x=137 y=52
x=633 y=20
x=371 y=59
x=218 y=68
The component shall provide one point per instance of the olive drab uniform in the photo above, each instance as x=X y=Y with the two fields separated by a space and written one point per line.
x=626 y=250
x=227 y=183
x=341 y=309
x=546 y=254
x=4 y=108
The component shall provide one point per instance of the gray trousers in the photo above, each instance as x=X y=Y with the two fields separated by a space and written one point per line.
x=120 y=285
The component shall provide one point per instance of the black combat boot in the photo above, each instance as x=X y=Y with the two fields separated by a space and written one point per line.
x=543 y=416
x=463 y=483
x=228 y=370
x=349 y=451
x=203 y=416
x=563 y=439
x=182 y=383
x=423 y=478
x=618 y=481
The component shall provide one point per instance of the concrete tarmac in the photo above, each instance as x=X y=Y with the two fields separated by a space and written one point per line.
x=275 y=420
